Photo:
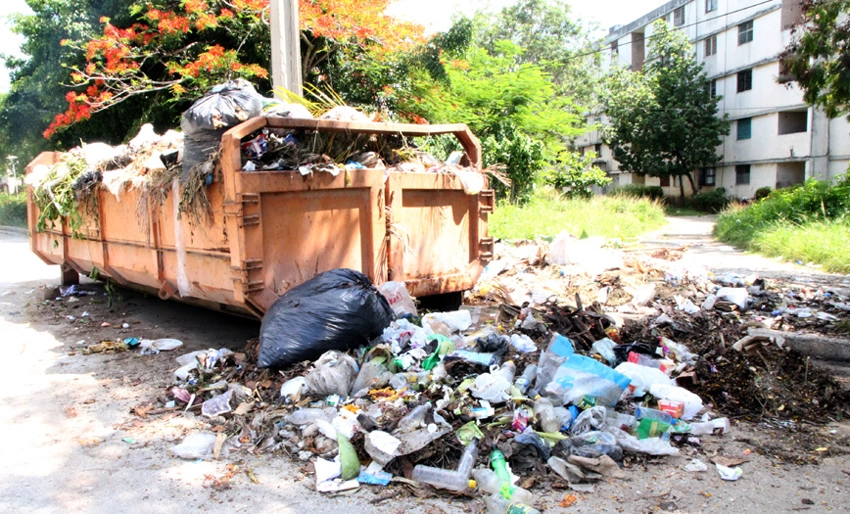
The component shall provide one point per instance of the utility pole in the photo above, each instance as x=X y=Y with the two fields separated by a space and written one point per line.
x=286 y=45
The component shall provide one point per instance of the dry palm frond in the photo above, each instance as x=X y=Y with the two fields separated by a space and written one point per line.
x=498 y=172
x=292 y=98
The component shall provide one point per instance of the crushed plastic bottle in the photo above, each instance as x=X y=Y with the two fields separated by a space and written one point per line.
x=498 y=504
x=410 y=380
x=489 y=482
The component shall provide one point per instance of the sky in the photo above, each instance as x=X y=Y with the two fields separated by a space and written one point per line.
x=434 y=14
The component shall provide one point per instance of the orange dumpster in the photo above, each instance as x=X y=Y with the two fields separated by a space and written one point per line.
x=272 y=230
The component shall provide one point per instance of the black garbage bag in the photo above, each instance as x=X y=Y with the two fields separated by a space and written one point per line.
x=335 y=310
x=198 y=148
x=203 y=124
x=226 y=105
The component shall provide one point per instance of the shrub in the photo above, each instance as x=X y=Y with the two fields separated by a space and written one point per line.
x=762 y=193
x=712 y=201
x=13 y=210
x=639 y=191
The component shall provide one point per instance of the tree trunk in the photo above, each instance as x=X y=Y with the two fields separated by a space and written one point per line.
x=694 y=188
x=681 y=191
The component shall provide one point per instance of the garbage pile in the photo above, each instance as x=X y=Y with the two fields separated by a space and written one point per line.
x=548 y=395
x=187 y=160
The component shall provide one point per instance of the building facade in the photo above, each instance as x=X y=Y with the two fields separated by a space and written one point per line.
x=775 y=139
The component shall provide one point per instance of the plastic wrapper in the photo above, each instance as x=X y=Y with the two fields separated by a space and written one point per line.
x=581 y=376
x=335 y=310
x=373 y=375
x=400 y=300
x=594 y=444
x=334 y=373
x=217 y=405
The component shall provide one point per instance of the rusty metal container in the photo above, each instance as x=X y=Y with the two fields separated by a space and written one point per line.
x=273 y=230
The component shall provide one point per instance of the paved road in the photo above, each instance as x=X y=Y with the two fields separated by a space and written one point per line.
x=694 y=232
x=69 y=442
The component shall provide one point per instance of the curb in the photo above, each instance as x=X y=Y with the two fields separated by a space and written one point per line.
x=16 y=230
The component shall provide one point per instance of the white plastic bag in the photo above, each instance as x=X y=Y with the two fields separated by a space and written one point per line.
x=693 y=403
x=195 y=446
x=396 y=293
x=492 y=388
x=643 y=377
x=457 y=321
x=152 y=347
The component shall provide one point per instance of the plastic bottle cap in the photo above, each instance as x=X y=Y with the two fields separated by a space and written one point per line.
x=473 y=484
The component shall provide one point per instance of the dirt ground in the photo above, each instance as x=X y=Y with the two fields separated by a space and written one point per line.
x=71 y=442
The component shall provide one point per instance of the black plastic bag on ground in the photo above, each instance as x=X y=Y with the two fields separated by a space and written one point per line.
x=335 y=310
x=226 y=105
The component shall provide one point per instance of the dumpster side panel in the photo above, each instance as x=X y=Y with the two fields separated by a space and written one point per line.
x=437 y=235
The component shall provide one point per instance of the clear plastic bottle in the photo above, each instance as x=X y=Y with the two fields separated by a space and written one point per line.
x=467 y=459
x=498 y=504
x=544 y=411
x=441 y=478
x=489 y=482
x=414 y=419
x=453 y=480
x=507 y=371
x=523 y=383
x=655 y=415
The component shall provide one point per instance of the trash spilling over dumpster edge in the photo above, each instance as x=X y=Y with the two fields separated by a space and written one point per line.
x=503 y=401
x=189 y=161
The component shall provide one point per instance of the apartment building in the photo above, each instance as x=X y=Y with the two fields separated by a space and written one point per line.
x=775 y=139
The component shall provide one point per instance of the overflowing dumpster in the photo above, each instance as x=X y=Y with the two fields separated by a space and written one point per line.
x=270 y=230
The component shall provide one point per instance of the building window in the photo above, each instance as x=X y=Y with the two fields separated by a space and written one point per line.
x=598 y=149
x=679 y=17
x=665 y=181
x=745 y=128
x=711 y=46
x=707 y=176
x=712 y=89
x=615 y=47
x=793 y=122
x=742 y=175
x=745 y=33
x=710 y=5
x=745 y=80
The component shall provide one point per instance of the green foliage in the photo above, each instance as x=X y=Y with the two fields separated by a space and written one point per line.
x=512 y=107
x=814 y=201
x=575 y=175
x=762 y=193
x=711 y=201
x=639 y=191
x=547 y=214
x=817 y=56
x=551 y=39
x=663 y=119
x=521 y=154
x=13 y=210
x=38 y=88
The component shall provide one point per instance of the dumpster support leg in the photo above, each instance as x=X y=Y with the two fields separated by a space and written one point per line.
x=68 y=275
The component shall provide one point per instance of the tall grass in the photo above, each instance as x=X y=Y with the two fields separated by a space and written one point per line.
x=823 y=242
x=808 y=222
x=13 y=210
x=546 y=215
